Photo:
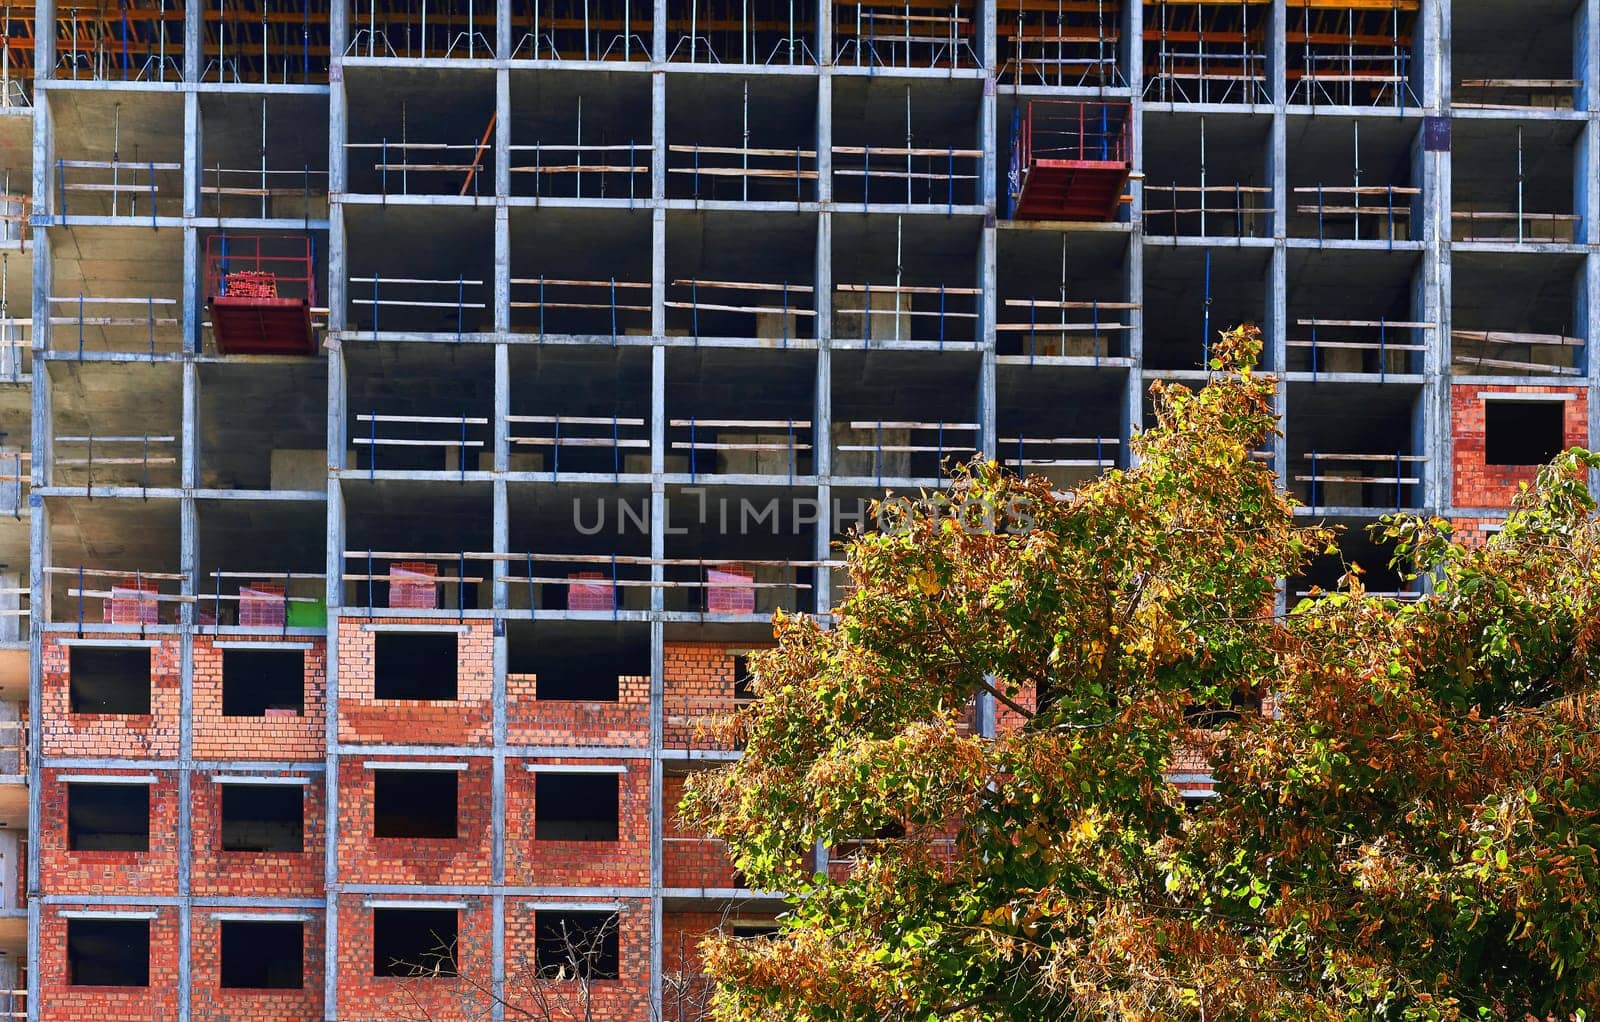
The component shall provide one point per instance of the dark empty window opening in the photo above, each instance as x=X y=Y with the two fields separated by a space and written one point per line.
x=575 y=807
x=578 y=685
x=106 y=679
x=756 y=929
x=418 y=942
x=263 y=955
x=1523 y=432
x=743 y=692
x=414 y=665
x=262 y=818
x=570 y=945
x=108 y=817
x=255 y=683
x=108 y=952
x=414 y=803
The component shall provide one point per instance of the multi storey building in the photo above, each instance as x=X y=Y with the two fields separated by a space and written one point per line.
x=410 y=419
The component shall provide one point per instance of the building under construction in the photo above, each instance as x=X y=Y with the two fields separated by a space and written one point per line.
x=410 y=419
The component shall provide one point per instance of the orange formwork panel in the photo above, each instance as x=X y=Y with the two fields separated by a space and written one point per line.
x=1069 y=160
x=259 y=292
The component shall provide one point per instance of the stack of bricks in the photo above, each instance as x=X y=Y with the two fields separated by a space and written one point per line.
x=250 y=284
x=132 y=602
x=590 y=595
x=730 y=589
x=1478 y=484
x=532 y=721
x=263 y=605
x=412 y=586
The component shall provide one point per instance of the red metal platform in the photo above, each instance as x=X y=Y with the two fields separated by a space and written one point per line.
x=259 y=291
x=1069 y=161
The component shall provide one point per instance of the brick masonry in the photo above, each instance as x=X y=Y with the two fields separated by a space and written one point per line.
x=625 y=722
x=263 y=874
x=621 y=863
x=367 y=859
x=211 y=1002
x=153 y=734
x=626 y=997
x=689 y=858
x=66 y=872
x=281 y=738
x=364 y=997
x=1481 y=485
x=62 y=1002
x=466 y=720
x=697 y=680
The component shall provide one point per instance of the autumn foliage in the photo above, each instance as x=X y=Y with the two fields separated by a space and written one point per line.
x=986 y=731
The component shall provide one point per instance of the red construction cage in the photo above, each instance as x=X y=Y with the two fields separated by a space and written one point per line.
x=260 y=290
x=1069 y=160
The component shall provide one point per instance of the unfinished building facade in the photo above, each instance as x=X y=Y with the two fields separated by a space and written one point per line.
x=410 y=419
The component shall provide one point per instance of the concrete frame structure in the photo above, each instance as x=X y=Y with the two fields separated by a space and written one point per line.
x=198 y=520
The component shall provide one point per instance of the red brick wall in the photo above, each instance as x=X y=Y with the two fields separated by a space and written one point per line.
x=365 y=859
x=1474 y=532
x=466 y=720
x=61 y=1002
x=276 y=738
x=1478 y=484
x=209 y=1002
x=621 y=863
x=364 y=997
x=684 y=988
x=689 y=857
x=262 y=874
x=153 y=734
x=62 y=871
x=625 y=722
x=624 y=998
x=698 y=684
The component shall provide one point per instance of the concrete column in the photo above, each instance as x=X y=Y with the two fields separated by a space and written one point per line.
x=502 y=139
x=44 y=67
x=1586 y=63
x=1133 y=70
x=1275 y=353
x=194 y=40
x=338 y=39
x=658 y=211
x=1432 y=170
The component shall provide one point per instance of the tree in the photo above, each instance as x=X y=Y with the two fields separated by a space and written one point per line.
x=554 y=983
x=1409 y=831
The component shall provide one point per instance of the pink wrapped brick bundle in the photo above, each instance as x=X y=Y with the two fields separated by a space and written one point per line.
x=730 y=590
x=132 y=602
x=262 y=605
x=589 y=595
x=412 y=585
